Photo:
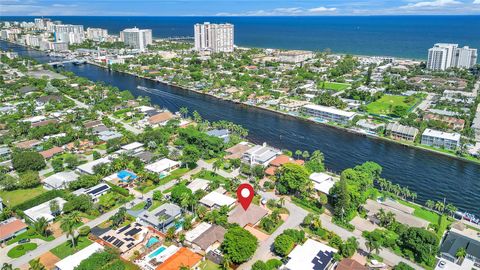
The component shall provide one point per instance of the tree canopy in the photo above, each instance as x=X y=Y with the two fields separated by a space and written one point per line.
x=239 y=245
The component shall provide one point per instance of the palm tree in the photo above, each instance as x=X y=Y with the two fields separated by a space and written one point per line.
x=413 y=195
x=439 y=206
x=298 y=153
x=430 y=204
x=216 y=165
x=7 y=266
x=40 y=226
x=162 y=219
x=305 y=155
x=372 y=245
x=451 y=209
x=226 y=262
x=461 y=253
x=36 y=265
x=67 y=224
x=184 y=111
x=281 y=201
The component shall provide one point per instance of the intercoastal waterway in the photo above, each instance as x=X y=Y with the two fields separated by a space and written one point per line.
x=432 y=176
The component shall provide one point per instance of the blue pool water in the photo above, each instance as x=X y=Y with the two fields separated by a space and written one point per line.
x=152 y=241
x=124 y=174
x=157 y=252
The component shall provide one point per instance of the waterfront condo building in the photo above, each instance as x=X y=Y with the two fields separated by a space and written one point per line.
x=97 y=34
x=401 y=132
x=136 y=38
x=445 y=55
x=41 y=23
x=329 y=114
x=465 y=57
x=441 y=139
x=214 y=37
x=69 y=33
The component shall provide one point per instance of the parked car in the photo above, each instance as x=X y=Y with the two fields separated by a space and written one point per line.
x=24 y=240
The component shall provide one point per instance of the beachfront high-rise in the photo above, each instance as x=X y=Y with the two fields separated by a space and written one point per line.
x=97 y=34
x=137 y=38
x=214 y=37
x=446 y=55
x=69 y=33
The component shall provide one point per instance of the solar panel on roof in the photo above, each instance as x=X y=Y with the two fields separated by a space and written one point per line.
x=111 y=239
x=124 y=228
x=99 y=189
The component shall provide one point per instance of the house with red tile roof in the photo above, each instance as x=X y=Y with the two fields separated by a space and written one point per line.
x=184 y=257
x=278 y=162
x=11 y=228
x=51 y=152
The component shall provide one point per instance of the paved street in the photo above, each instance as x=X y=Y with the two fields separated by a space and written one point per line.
x=264 y=251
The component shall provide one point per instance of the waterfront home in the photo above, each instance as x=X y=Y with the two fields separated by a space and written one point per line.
x=278 y=162
x=59 y=180
x=11 y=228
x=72 y=261
x=216 y=199
x=329 y=114
x=441 y=139
x=310 y=255
x=160 y=119
x=237 y=150
x=88 y=167
x=401 y=132
x=94 y=192
x=260 y=155
x=369 y=125
x=322 y=182
x=160 y=218
x=455 y=239
x=291 y=105
x=223 y=134
x=476 y=123
x=43 y=210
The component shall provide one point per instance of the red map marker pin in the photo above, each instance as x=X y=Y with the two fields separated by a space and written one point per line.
x=245 y=194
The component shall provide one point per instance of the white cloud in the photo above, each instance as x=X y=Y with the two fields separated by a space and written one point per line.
x=476 y=2
x=323 y=9
x=433 y=4
x=292 y=11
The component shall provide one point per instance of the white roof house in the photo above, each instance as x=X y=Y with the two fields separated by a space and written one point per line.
x=260 y=154
x=331 y=110
x=216 y=199
x=72 y=261
x=132 y=146
x=163 y=165
x=59 y=180
x=43 y=210
x=198 y=184
x=322 y=182
x=88 y=167
x=442 y=135
x=312 y=255
x=95 y=192
x=197 y=231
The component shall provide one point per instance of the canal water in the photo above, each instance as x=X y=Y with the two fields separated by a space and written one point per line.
x=431 y=175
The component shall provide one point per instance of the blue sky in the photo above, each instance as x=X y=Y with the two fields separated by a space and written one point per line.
x=236 y=7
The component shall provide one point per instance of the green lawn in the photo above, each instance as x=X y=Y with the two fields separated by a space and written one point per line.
x=141 y=205
x=66 y=248
x=31 y=234
x=386 y=103
x=208 y=175
x=21 y=250
x=138 y=206
x=335 y=86
x=16 y=197
x=422 y=213
x=209 y=265
x=173 y=175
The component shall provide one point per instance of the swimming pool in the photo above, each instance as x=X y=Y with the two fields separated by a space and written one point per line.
x=157 y=252
x=152 y=241
x=125 y=175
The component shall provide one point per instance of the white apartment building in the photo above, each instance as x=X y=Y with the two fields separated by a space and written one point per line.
x=440 y=56
x=137 y=38
x=69 y=33
x=445 y=55
x=441 y=139
x=97 y=34
x=214 y=37
x=465 y=57
x=329 y=114
x=41 y=23
x=295 y=56
x=32 y=40
x=46 y=45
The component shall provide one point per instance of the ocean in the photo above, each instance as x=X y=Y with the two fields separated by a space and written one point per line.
x=399 y=36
